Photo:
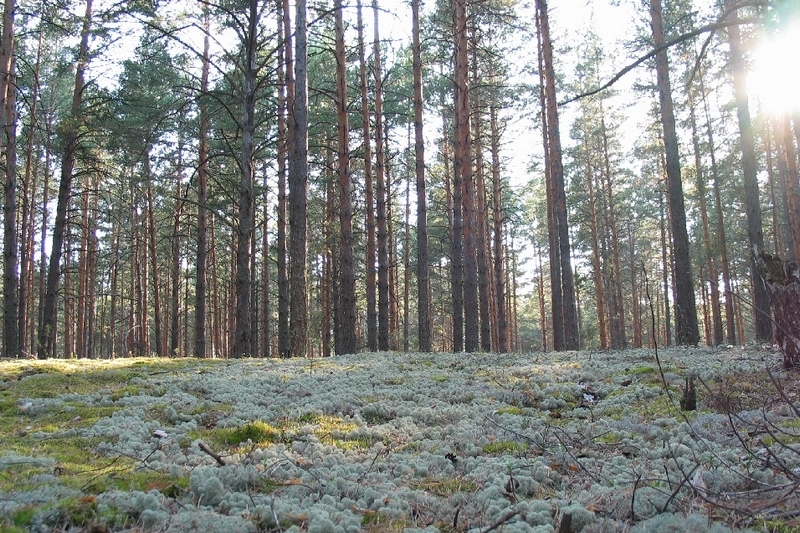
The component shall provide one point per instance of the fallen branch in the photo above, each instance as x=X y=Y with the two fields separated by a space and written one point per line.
x=203 y=446
x=503 y=519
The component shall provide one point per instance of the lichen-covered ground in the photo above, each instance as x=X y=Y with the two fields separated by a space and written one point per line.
x=402 y=442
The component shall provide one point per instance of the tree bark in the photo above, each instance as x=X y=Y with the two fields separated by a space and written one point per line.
x=298 y=189
x=463 y=169
x=380 y=160
x=569 y=311
x=347 y=287
x=369 y=195
x=47 y=329
x=762 y=318
x=201 y=296
x=11 y=331
x=499 y=257
x=686 y=328
x=423 y=268
x=286 y=97
x=242 y=344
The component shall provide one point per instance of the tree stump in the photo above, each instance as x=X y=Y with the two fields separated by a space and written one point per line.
x=782 y=279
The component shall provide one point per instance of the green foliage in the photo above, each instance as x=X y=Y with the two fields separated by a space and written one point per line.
x=501 y=447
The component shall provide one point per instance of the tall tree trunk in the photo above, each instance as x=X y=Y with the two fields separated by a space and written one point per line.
x=686 y=328
x=665 y=269
x=83 y=272
x=481 y=211
x=755 y=235
x=380 y=161
x=11 y=331
x=201 y=291
x=242 y=343
x=47 y=328
x=8 y=130
x=175 y=274
x=423 y=268
x=619 y=339
x=596 y=260
x=30 y=182
x=499 y=259
x=463 y=168
x=151 y=245
x=266 y=312
x=730 y=326
x=569 y=311
x=788 y=158
x=713 y=275
x=407 y=263
x=369 y=194
x=298 y=188
x=347 y=300
x=286 y=96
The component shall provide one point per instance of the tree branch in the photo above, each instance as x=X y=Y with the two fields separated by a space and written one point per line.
x=685 y=37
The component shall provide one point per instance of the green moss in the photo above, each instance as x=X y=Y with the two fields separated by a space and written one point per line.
x=638 y=370
x=499 y=447
x=23 y=517
x=511 y=410
x=444 y=486
x=260 y=433
x=779 y=526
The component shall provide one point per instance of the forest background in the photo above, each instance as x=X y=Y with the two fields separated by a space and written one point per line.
x=246 y=178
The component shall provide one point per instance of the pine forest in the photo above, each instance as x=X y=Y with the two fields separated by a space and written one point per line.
x=252 y=178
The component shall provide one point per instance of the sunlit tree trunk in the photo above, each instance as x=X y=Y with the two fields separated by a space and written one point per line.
x=762 y=318
x=721 y=240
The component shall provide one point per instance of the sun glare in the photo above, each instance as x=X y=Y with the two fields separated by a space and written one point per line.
x=775 y=77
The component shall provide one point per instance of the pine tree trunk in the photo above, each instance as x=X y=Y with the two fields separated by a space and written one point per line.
x=481 y=211
x=788 y=157
x=47 y=328
x=298 y=189
x=369 y=195
x=596 y=262
x=568 y=310
x=763 y=324
x=730 y=326
x=286 y=95
x=8 y=130
x=686 y=329
x=713 y=275
x=499 y=257
x=382 y=228
x=201 y=290
x=29 y=186
x=462 y=164
x=347 y=300
x=619 y=338
x=423 y=268
x=242 y=343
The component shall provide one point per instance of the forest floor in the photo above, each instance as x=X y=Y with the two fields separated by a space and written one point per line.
x=576 y=441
